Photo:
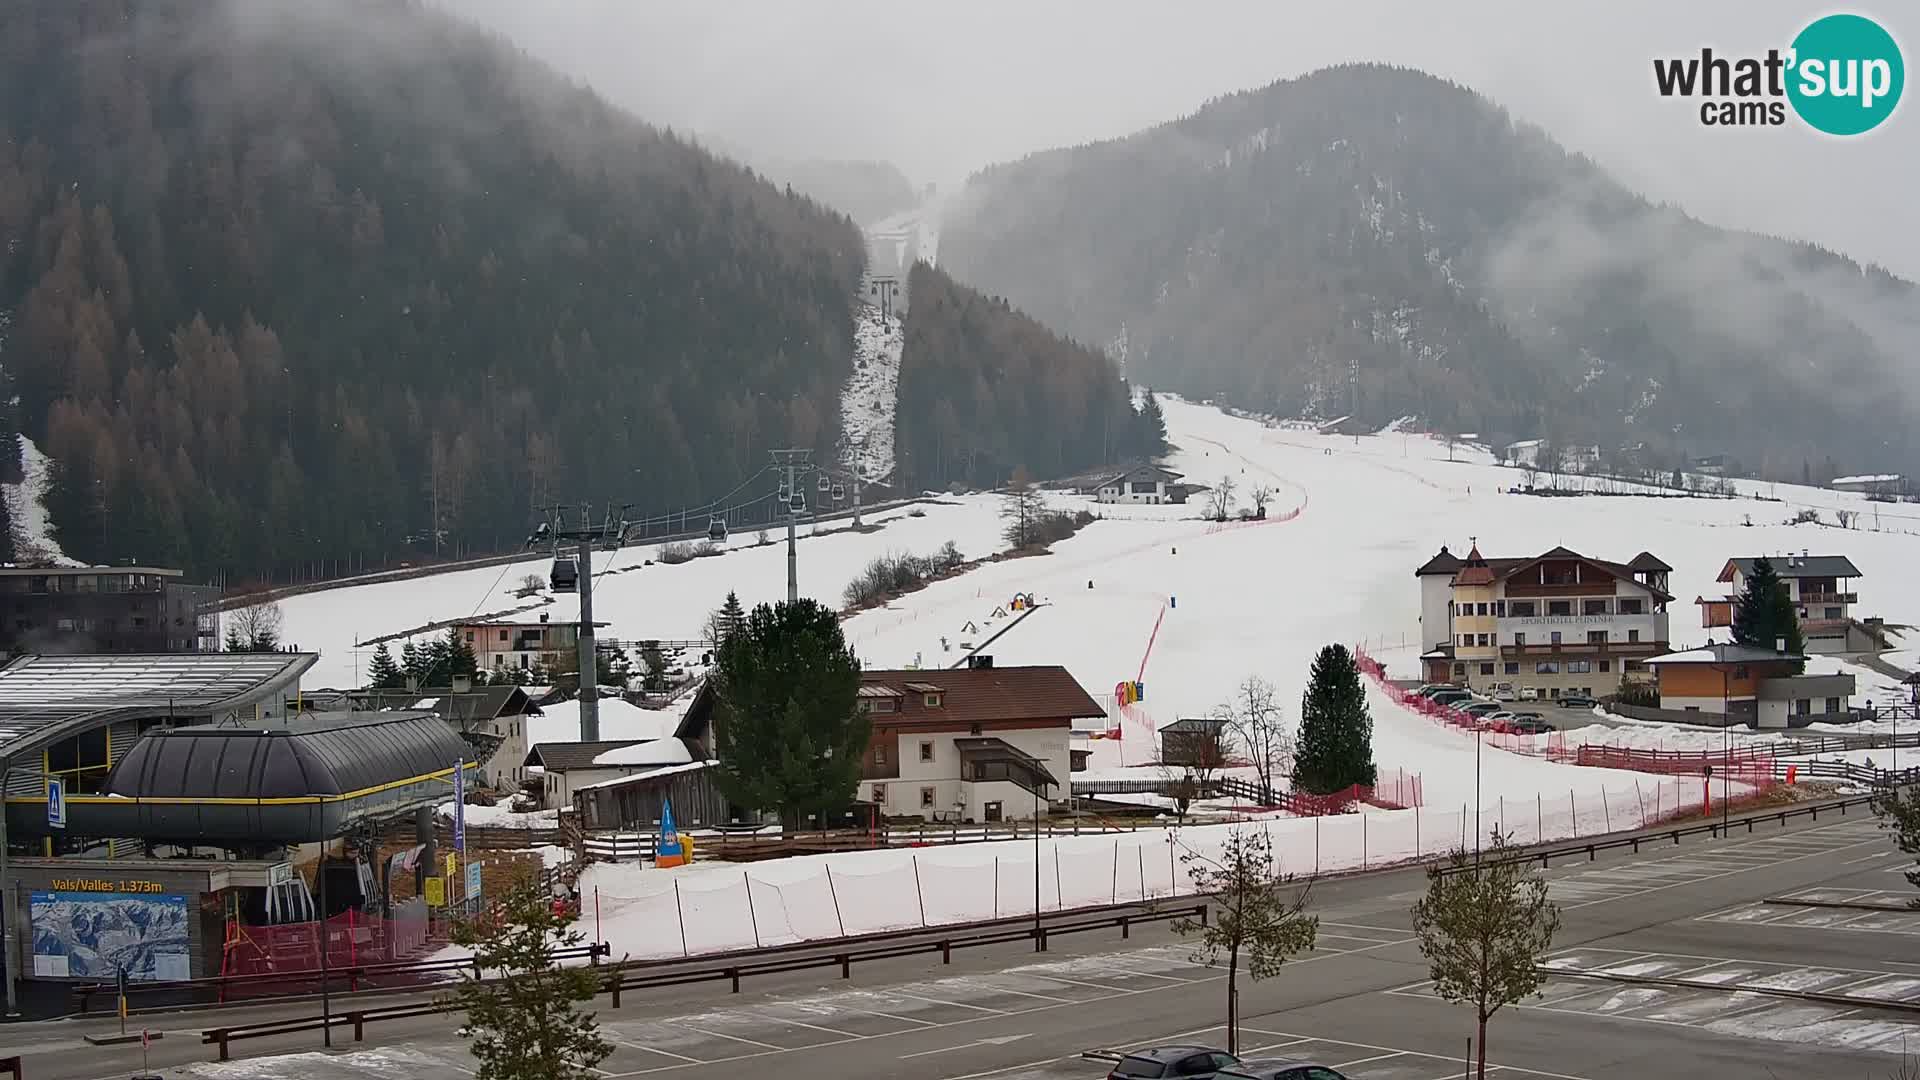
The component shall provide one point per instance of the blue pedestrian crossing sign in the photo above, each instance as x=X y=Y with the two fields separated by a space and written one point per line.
x=56 y=802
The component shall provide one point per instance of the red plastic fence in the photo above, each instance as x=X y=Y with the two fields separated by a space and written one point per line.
x=1752 y=766
x=351 y=938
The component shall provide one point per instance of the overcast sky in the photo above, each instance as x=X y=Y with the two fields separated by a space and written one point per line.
x=942 y=88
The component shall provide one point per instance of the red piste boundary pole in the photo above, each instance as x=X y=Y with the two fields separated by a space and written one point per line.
x=1151 y=638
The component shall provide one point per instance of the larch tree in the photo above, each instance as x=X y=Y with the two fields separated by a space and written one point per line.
x=1335 y=748
x=1484 y=925
x=790 y=737
x=1022 y=507
x=1259 y=914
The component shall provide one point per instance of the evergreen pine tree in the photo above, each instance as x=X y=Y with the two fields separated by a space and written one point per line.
x=458 y=657
x=236 y=643
x=529 y=1023
x=413 y=663
x=731 y=615
x=383 y=673
x=789 y=736
x=1763 y=614
x=1150 y=439
x=1335 y=748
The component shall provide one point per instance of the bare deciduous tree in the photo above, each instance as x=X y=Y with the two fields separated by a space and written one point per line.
x=1254 y=914
x=254 y=628
x=1220 y=499
x=1259 y=726
x=1261 y=495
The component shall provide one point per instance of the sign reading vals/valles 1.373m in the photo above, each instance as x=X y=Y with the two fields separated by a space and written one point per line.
x=96 y=935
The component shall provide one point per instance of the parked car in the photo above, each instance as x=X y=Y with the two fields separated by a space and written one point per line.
x=1451 y=697
x=1531 y=725
x=1280 y=1068
x=1433 y=688
x=1521 y=714
x=1529 y=693
x=1166 y=1062
x=1480 y=708
x=1577 y=701
x=1505 y=692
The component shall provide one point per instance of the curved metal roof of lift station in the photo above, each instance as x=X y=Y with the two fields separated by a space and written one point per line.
x=44 y=699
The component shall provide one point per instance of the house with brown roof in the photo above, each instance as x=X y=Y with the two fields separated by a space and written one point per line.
x=1555 y=623
x=972 y=744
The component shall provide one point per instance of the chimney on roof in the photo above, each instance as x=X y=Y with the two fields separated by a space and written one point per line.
x=979 y=661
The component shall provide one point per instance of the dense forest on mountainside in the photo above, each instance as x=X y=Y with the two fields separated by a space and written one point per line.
x=1473 y=273
x=283 y=282
x=984 y=390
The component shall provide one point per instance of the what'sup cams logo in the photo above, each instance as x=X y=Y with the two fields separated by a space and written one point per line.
x=1842 y=75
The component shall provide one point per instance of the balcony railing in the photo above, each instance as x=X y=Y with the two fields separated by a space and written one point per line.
x=1829 y=598
x=1614 y=648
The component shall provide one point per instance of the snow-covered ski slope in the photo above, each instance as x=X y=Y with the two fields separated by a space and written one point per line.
x=669 y=603
x=1234 y=601
x=867 y=403
x=1260 y=599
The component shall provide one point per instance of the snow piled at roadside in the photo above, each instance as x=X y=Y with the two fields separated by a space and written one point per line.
x=33 y=540
x=867 y=404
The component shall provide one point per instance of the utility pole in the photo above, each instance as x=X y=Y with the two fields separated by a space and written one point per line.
x=556 y=530
x=792 y=460
x=859 y=451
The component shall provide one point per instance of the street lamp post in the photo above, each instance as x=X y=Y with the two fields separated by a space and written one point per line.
x=1477 y=729
x=1039 y=938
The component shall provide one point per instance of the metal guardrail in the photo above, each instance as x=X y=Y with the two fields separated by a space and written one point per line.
x=732 y=968
x=401 y=976
x=1591 y=848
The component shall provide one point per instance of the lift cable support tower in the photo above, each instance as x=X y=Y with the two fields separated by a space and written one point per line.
x=574 y=573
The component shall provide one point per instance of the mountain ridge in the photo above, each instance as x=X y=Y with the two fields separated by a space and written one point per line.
x=1263 y=248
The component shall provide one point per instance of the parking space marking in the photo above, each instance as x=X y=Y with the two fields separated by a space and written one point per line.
x=1820 y=917
x=735 y=1038
x=1733 y=1005
x=1602 y=884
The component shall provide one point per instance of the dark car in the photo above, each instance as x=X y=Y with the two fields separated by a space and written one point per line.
x=1530 y=725
x=1577 y=701
x=1166 y=1062
x=1277 y=1068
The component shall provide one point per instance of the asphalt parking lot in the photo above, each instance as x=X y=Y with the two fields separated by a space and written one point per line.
x=1682 y=961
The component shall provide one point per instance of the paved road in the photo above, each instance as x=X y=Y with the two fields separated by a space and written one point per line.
x=1359 y=1003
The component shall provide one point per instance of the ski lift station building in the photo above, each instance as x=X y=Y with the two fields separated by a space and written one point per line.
x=188 y=781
